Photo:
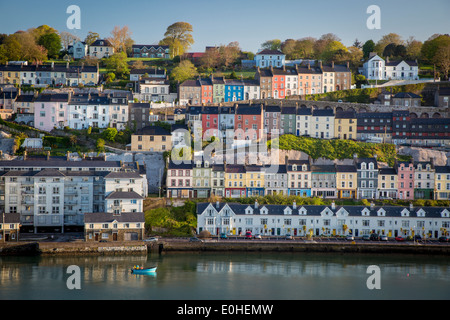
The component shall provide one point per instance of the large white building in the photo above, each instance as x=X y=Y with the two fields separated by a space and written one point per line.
x=270 y=58
x=376 y=68
x=55 y=193
x=296 y=220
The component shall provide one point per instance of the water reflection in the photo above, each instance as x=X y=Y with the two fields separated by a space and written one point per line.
x=225 y=276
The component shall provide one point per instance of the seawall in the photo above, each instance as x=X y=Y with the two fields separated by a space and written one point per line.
x=378 y=248
x=139 y=247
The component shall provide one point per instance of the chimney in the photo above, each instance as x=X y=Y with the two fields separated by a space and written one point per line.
x=411 y=207
x=320 y=64
x=332 y=64
x=68 y=156
x=348 y=65
x=309 y=66
x=256 y=204
x=217 y=204
x=333 y=205
x=294 y=205
x=25 y=155
x=372 y=205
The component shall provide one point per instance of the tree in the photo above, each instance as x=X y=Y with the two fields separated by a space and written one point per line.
x=178 y=37
x=386 y=40
x=413 y=48
x=367 y=48
x=51 y=42
x=274 y=44
x=110 y=134
x=68 y=39
x=289 y=48
x=91 y=38
x=138 y=64
x=229 y=53
x=334 y=51
x=184 y=71
x=117 y=63
x=432 y=45
x=442 y=60
x=305 y=47
x=121 y=38
x=211 y=59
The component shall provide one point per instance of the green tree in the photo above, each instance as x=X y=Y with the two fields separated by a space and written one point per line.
x=110 y=134
x=117 y=63
x=100 y=145
x=274 y=44
x=367 y=48
x=184 y=71
x=51 y=42
x=178 y=37
x=91 y=37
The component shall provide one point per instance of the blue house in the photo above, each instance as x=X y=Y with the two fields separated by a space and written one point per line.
x=234 y=90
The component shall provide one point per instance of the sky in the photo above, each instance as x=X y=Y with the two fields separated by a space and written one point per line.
x=249 y=22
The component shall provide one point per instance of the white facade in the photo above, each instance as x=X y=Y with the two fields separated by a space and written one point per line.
x=376 y=68
x=56 y=193
x=80 y=50
x=296 y=220
x=270 y=58
x=83 y=116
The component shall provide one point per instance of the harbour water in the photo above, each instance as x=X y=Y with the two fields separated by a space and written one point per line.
x=226 y=276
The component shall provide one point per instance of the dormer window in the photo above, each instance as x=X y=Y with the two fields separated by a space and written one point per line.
x=294 y=167
x=381 y=213
x=304 y=167
x=287 y=211
x=405 y=213
x=363 y=166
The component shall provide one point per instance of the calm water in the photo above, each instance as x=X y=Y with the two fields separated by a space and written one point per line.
x=236 y=276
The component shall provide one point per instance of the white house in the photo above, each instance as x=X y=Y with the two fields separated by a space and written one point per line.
x=92 y=111
x=270 y=58
x=79 y=50
x=101 y=48
x=392 y=221
x=376 y=68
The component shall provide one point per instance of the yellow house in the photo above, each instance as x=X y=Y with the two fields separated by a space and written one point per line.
x=255 y=180
x=345 y=125
x=235 y=181
x=151 y=138
x=442 y=183
x=346 y=181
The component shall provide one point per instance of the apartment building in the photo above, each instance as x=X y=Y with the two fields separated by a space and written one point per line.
x=54 y=193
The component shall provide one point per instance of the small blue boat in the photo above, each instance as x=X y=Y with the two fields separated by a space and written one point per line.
x=143 y=270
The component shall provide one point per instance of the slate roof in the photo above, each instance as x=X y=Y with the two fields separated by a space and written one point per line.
x=96 y=217
x=124 y=195
x=311 y=210
x=153 y=131
x=267 y=51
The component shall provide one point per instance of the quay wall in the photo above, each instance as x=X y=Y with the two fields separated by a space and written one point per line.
x=139 y=247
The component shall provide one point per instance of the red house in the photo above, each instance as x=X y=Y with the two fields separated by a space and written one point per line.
x=249 y=122
x=210 y=121
x=206 y=91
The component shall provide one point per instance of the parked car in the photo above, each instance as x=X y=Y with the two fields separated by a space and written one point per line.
x=443 y=239
x=195 y=239
x=151 y=239
x=399 y=238
x=257 y=236
x=350 y=237
x=223 y=235
x=374 y=237
x=366 y=237
x=383 y=237
x=289 y=237
x=248 y=235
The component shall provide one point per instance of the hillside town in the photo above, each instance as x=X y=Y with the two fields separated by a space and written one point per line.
x=93 y=133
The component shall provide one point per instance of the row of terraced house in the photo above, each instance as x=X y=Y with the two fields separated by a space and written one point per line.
x=360 y=178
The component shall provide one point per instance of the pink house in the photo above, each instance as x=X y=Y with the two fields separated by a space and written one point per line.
x=51 y=111
x=405 y=179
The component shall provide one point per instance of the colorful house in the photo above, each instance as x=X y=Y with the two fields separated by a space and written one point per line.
x=235 y=181
x=442 y=183
x=234 y=90
x=346 y=181
x=254 y=180
x=405 y=179
x=299 y=178
x=249 y=122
